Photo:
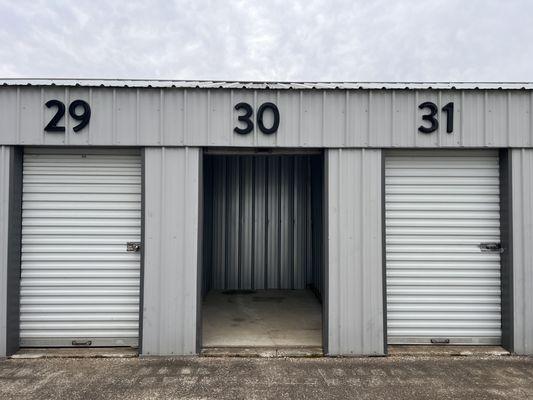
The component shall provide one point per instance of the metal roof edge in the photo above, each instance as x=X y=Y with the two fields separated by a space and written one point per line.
x=204 y=84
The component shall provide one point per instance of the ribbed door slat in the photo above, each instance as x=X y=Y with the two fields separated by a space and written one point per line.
x=440 y=205
x=78 y=282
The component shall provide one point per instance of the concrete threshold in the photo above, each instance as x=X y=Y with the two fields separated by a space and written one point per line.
x=445 y=350
x=88 y=352
x=267 y=352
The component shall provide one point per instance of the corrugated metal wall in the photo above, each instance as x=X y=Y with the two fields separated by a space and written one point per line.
x=522 y=239
x=258 y=226
x=308 y=118
x=6 y=153
x=172 y=177
x=354 y=259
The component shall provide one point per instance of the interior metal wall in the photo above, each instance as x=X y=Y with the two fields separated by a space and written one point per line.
x=258 y=222
x=317 y=224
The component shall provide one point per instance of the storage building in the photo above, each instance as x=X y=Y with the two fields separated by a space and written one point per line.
x=181 y=217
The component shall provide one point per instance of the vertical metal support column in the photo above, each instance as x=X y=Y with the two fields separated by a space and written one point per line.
x=354 y=252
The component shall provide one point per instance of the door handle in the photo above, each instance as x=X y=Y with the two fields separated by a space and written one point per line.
x=133 y=246
x=491 y=247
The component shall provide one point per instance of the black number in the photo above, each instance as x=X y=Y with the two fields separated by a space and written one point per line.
x=244 y=118
x=261 y=111
x=52 y=125
x=247 y=118
x=83 y=117
x=448 y=109
x=429 y=117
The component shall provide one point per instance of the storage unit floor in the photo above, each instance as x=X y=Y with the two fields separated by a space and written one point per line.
x=262 y=318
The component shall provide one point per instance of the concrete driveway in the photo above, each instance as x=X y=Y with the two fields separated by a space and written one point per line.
x=255 y=378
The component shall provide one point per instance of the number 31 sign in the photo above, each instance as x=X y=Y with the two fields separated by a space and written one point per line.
x=432 y=117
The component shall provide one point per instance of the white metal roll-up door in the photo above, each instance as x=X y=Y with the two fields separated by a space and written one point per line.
x=79 y=285
x=442 y=287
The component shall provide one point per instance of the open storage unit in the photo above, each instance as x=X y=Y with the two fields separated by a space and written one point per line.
x=262 y=277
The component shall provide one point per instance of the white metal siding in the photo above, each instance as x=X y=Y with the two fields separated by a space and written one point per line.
x=522 y=236
x=308 y=118
x=440 y=205
x=354 y=304
x=171 y=287
x=78 y=282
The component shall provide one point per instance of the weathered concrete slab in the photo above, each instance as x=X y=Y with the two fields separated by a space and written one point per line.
x=63 y=352
x=260 y=378
x=446 y=351
x=289 y=351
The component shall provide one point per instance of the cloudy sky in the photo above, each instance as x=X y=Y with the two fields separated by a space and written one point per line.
x=309 y=40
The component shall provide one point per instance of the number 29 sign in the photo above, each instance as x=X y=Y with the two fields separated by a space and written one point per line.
x=84 y=117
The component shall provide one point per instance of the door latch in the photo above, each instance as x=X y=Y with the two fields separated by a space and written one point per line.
x=491 y=247
x=440 y=341
x=133 y=246
x=82 y=342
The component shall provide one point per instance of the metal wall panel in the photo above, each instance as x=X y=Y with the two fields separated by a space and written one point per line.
x=522 y=239
x=260 y=223
x=440 y=206
x=354 y=254
x=78 y=281
x=171 y=251
x=309 y=118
